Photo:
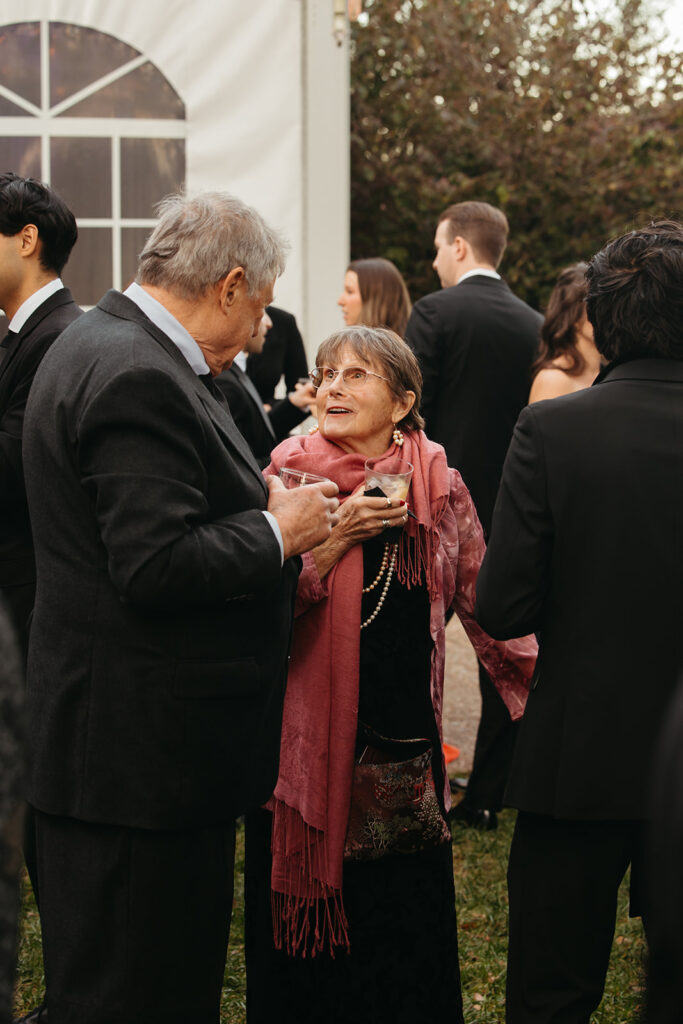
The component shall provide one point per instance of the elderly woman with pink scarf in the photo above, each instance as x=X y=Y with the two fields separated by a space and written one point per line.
x=345 y=922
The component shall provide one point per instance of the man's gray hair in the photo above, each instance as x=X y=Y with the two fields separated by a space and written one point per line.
x=200 y=239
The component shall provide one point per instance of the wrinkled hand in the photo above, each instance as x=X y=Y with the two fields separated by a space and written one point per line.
x=305 y=515
x=303 y=395
x=361 y=518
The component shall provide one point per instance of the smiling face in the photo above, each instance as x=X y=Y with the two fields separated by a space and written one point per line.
x=359 y=419
x=350 y=299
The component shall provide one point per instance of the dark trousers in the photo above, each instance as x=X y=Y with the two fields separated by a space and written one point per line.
x=493 y=750
x=135 y=922
x=563 y=879
x=20 y=600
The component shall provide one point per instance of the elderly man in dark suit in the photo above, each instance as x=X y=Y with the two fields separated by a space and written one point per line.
x=37 y=233
x=475 y=342
x=158 y=652
x=585 y=549
x=262 y=427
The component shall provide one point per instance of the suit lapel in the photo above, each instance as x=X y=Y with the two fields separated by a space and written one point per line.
x=254 y=397
x=60 y=298
x=120 y=306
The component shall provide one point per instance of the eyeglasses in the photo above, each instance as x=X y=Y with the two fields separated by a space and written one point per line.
x=352 y=376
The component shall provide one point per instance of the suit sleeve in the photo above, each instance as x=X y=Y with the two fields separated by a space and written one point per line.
x=425 y=335
x=143 y=456
x=12 y=421
x=284 y=416
x=514 y=577
x=296 y=364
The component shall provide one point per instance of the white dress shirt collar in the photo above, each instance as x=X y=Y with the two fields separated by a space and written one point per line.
x=171 y=327
x=482 y=272
x=32 y=303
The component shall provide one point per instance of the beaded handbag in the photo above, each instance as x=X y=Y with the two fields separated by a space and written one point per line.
x=394 y=806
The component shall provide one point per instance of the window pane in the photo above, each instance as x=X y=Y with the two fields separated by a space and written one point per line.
x=142 y=93
x=150 y=170
x=81 y=173
x=132 y=244
x=89 y=271
x=20 y=59
x=8 y=109
x=80 y=56
x=21 y=155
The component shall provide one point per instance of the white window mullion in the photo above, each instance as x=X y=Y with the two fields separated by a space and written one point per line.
x=116 y=209
x=45 y=156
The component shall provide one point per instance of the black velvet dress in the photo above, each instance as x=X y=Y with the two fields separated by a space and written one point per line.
x=403 y=963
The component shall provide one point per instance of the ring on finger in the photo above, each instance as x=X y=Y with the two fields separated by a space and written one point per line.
x=388 y=502
x=385 y=524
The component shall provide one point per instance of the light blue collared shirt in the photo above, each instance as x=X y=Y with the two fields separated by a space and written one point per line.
x=184 y=341
x=32 y=303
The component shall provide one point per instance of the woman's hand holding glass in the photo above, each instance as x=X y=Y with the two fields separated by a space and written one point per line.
x=361 y=517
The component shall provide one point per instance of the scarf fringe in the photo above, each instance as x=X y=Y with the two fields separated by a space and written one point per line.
x=419 y=557
x=308 y=913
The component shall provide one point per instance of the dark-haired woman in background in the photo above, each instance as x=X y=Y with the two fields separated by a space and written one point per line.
x=568 y=359
x=375 y=295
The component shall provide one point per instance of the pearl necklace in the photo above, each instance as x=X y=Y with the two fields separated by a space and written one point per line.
x=388 y=565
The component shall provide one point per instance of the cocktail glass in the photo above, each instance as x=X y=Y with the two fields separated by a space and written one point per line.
x=391 y=476
x=297 y=478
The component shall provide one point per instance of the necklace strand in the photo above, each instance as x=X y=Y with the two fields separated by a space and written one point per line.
x=391 y=563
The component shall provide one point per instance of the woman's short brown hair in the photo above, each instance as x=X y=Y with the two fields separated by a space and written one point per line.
x=384 y=296
x=566 y=306
x=389 y=354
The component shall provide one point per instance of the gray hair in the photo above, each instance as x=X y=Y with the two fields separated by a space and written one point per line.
x=200 y=239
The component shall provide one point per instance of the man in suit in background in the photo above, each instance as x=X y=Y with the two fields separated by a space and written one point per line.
x=475 y=342
x=585 y=548
x=283 y=355
x=37 y=233
x=262 y=427
x=158 y=649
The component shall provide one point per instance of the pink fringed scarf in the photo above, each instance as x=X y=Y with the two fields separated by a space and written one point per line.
x=313 y=793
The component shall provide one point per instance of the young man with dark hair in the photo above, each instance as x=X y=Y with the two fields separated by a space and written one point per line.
x=475 y=342
x=37 y=234
x=585 y=549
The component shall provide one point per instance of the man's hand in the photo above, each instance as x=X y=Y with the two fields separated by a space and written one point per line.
x=303 y=395
x=305 y=515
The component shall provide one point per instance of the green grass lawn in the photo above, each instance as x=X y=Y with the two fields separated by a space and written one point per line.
x=480 y=861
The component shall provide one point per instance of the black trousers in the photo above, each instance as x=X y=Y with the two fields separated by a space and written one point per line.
x=135 y=922
x=493 y=750
x=563 y=879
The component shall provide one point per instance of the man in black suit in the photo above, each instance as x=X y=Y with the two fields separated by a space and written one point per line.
x=158 y=650
x=262 y=427
x=283 y=355
x=37 y=233
x=585 y=549
x=475 y=342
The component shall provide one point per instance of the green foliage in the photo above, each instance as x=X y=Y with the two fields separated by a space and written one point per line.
x=480 y=863
x=570 y=122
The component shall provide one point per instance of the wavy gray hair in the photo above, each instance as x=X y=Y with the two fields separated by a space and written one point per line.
x=200 y=239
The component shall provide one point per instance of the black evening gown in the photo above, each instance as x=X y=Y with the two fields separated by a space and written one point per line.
x=403 y=964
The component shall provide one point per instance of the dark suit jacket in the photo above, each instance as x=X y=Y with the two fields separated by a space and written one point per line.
x=249 y=418
x=162 y=619
x=587 y=548
x=17 y=371
x=475 y=343
x=283 y=355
